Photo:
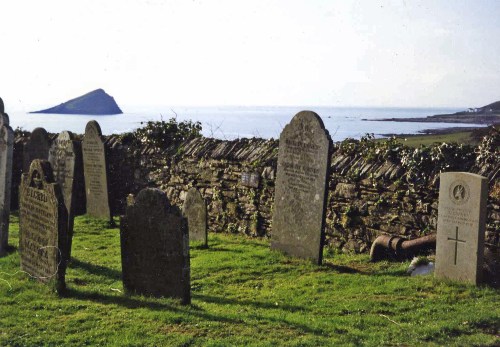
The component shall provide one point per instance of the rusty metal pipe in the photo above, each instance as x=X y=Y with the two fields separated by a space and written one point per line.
x=398 y=248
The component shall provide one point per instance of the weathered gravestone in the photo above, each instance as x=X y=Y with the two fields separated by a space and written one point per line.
x=155 y=248
x=43 y=222
x=301 y=186
x=37 y=147
x=95 y=171
x=461 y=226
x=195 y=210
x=66 y=161
x=6 y=153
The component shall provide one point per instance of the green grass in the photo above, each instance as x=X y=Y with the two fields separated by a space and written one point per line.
x=242 y=294
x=463 y=137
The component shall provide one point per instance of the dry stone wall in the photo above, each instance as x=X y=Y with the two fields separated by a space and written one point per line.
x=367 y=196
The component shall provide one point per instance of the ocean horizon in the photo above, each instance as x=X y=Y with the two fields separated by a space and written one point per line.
x=232 y=122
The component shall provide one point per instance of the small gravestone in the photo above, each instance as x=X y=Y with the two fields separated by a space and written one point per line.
x=195 y=210
x=155 y=248
x=43 y=222
x=65 y=159
x=301 y=182
x=6 y=154
x=37 y=147
x=95 y=172
x=461 y=226
x=250 y=179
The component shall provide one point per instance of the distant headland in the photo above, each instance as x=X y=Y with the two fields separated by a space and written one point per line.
x=97 y=103
x=489 y=115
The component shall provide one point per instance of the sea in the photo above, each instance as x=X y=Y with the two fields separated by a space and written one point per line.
x=233 y=122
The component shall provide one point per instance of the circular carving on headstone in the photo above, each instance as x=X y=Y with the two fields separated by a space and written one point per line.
x=459 y=192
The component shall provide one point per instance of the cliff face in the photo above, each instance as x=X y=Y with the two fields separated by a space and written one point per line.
x=96 y=102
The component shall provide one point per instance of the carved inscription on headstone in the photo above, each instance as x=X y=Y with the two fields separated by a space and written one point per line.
x=95 y=169
x=195 y=210
x=250 y=179
x=6 y=153
x=37 y=147
x=155 y=247
x=461 y=226
x=300 y=195
x=43 y=243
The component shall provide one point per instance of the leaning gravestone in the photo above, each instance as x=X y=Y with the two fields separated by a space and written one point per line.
x=195 y=210
x=43 y=238
x=155 y=248
x=301 y=182
x=95 y=172
x=6 y=153
x=37 y=147
x=461 y=226
x=65 y=159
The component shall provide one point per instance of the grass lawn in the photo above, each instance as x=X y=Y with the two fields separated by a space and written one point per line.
x=242 y=294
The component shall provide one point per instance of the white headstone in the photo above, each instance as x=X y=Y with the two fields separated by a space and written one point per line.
x=461 y=226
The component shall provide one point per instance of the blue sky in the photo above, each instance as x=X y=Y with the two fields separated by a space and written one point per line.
x=231 y=52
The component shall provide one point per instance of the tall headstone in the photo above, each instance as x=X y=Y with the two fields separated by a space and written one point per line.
x=6 y=154
x=461 y=226
x=43 y=222
x=65 y=160
x=301 y=187
x=37 y=147
x=195 y=210
x=95 y=172
x=155 y=248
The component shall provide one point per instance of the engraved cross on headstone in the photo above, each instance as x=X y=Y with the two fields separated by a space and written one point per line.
x=456 y=243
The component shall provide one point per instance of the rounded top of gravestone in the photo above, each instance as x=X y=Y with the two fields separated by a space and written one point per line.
x=193 y=197
x=93 y=128
x=39 y=133
x=2 y=109
x=65 y=135
x=151 y=197
x=310 y=117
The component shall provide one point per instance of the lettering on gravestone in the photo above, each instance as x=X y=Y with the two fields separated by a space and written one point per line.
x=155 y=248
x=300 y=194
x=461 y=226
x=95 y=172
x=6 y=155
x=195 y=210
x=43 y=243
x=37 y=147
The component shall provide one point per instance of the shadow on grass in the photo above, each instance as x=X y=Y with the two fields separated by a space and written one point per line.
x=96 y=269
x=344 y=269
x=265 y=305
x=132 y=302
x=10 y=249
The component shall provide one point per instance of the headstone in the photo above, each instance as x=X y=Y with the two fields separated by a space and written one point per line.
x=301 y=187
x=95 y=172
x=250 y=179
x=6 y=154
x=37 y=147
x=461 y=226
x=195 y=210
x=65 y=158
x=155 y=248
x=43 y=221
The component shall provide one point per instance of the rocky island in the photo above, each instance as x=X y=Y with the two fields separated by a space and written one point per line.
x=97 y=103
x=489 y=115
